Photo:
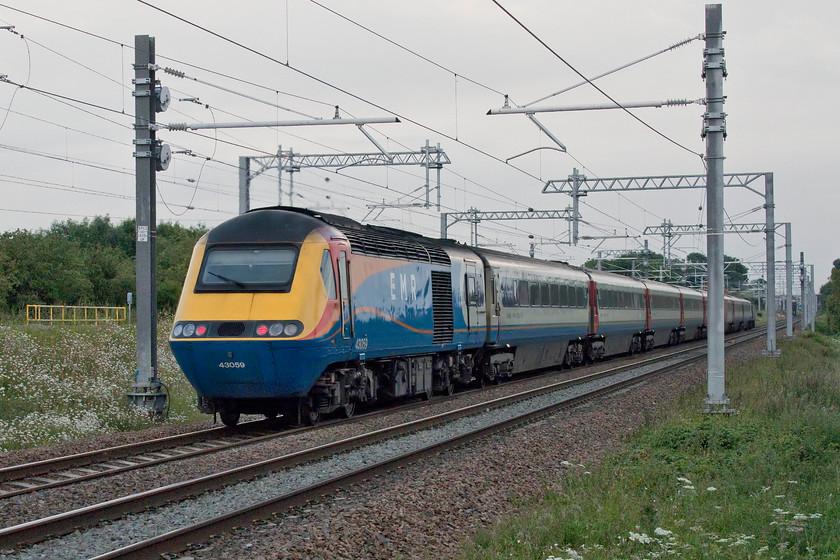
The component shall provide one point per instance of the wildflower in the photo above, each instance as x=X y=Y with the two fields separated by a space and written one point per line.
x=793 y=482
x=762 y=549
x=815 y=515
x=642 y=538
x=711 y=489
x=660 y=532
x=683 y=480
x=565 y=463
x=779 y=496
x=800 y=516
x=688 y=487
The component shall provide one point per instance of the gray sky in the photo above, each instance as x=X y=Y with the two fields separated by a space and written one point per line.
x=781 y=105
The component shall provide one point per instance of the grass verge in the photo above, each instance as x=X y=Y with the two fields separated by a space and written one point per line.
x=67 y=382
x=764 y=483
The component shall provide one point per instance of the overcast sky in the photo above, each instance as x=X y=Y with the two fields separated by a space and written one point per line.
x=60 y=159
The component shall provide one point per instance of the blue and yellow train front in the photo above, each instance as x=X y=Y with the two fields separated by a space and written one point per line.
x=258 y=320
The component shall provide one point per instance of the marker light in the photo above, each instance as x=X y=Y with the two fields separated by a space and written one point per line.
x=189 y=329
x=276 y=329
x=262 y=330
x=200 y=330
x=291 y=329
x=176 y=332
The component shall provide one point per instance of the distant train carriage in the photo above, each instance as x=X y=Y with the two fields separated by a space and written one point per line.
x=539 y=314
x=665 y=313
x=694 y=313
x=620 y=319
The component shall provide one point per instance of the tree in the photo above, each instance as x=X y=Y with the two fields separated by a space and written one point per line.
x=832 y=302
x=88 y=262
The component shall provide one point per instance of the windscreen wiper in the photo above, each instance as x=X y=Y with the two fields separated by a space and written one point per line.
x=226 y=279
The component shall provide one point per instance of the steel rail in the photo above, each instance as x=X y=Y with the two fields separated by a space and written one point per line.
x=180 y=538
x=37 y=530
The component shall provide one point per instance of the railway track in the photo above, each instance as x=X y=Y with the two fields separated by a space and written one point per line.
x=177 y=538
x=73 y=469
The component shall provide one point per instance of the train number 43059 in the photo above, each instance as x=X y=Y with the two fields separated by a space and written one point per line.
x=231 y=365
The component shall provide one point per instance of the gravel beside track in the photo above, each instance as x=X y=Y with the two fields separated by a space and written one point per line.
x=421 y=511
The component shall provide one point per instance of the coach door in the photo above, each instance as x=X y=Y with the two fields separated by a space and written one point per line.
x=494 y=307
x=344 y=295
x=476 y=317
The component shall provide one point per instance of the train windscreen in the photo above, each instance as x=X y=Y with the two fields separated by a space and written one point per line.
x=246 y=269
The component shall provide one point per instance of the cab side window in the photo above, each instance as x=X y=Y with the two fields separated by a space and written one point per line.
x=327 y=274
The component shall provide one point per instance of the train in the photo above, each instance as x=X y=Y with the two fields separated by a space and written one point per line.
x=299 y=314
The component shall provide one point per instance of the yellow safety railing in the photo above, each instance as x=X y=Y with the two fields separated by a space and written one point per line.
x=73 y=314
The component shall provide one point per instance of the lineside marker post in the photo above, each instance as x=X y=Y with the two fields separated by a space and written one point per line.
x=714 y=129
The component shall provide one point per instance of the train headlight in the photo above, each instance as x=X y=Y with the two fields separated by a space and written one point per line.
x=291 y=329
x=262 y=330
x=176 y=332
x=276 y=329
x=200 y=330
x=189 y=329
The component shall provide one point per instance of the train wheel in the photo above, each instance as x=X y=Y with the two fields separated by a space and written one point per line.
x=348 y=410
x=229 y=418
x=308 y=415
x=312 y=417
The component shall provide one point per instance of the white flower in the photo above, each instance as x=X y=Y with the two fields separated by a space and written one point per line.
x=641 y=537
x=711 y=489
x=683 y=480
x=800 y=516
x=660 y=532
x=688 y=487
x=815 y=515
x=793 y=482
x=565 y=463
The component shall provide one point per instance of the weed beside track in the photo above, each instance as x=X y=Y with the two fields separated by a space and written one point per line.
x=68 y=382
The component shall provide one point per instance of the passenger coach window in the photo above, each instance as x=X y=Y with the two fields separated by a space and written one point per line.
x=555 y=295
x=545 y=299
x=244 y=268
x=327 y=274
x=523 y=293
x=580 y=299
x=534 y=294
